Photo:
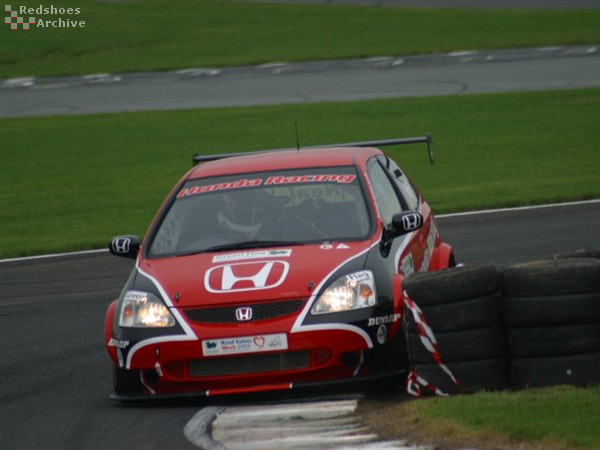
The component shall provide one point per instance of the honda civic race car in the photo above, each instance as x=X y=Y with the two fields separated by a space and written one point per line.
x=272 y=270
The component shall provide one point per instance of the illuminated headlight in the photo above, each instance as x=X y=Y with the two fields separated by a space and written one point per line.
x=142 y=309
x=353 y=291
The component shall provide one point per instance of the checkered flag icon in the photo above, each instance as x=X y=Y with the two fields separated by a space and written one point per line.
x=14 y=20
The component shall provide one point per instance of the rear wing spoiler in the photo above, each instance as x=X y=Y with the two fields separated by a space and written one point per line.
x=198 y=158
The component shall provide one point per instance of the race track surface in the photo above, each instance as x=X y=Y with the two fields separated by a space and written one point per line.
x=55 y=375
x=457 y=73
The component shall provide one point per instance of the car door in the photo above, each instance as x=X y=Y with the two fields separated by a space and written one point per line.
x=394 y=193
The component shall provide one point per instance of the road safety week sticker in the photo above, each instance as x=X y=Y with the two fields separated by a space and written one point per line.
x=246 y=344
x=251 y=255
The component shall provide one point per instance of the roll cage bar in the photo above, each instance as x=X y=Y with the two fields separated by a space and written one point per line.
x=198 y=158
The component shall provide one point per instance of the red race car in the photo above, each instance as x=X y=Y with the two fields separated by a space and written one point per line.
x=273 y=270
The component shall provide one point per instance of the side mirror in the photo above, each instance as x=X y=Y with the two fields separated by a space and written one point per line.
x=126 y=246
x=406 y=222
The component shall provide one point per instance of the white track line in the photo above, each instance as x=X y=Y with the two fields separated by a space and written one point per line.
x=439 y=216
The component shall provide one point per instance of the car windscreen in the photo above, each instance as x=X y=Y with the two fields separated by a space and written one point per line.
x=263 y=209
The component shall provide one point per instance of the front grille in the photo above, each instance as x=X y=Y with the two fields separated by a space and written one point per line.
x=260 y=311
x=245 y=364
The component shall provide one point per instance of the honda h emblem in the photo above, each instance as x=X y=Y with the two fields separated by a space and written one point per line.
x=121 y=245
x=248 y=276
x=411 y=222
x=243 y=314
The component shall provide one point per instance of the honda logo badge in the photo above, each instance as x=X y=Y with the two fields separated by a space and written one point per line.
x=121 y=245
x=247 y=276
x=411 y=222
x=243 y=314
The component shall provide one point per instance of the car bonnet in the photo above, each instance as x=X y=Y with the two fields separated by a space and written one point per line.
x=251 y=275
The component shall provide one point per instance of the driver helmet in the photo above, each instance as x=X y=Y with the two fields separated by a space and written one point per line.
x=241 y=214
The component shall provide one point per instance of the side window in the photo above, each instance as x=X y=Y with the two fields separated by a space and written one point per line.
x=385 y=194
x=408 y=191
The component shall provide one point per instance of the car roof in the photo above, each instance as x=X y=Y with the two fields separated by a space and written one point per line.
x=286 y=159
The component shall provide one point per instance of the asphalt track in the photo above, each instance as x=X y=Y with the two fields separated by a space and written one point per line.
x=55 y=375
x=458 y=73
x=54 y=372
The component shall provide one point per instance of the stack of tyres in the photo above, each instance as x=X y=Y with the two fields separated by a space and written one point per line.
x=463 y=308
x=552 y=313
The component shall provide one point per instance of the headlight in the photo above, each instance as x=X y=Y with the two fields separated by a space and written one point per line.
x=142 y=309
x=353 y=291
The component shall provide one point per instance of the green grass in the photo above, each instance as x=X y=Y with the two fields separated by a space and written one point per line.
x=70 y=183
x=565 y=416
x=159 y=35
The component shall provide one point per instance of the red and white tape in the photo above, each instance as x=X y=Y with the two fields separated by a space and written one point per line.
x=414 y=382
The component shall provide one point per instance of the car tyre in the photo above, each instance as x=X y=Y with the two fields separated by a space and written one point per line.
x=541 y=342
x=552 y=310
x=452 y=285
x=578 y=370
x=465 y=345
x=462 y=315
x=553 y=278
x=473 y=376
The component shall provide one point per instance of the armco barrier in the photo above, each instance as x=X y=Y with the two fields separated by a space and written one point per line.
x=489 y=328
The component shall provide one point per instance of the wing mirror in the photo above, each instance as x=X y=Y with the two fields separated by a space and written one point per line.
x=406 y=222
x=126 y=246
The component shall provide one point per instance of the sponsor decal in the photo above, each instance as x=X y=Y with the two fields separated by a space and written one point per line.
x=391 y=318
x=342 y=247
x=359 y=276
x=243 y=183
x=136 y=296
x=295 y=179
x=252 y=255
x=247 y=344
x=271 y=181
x=249 y=276
x=326 y=247
x=408 y=265
x=433 y=234
x=426 y=261
x=118 y=343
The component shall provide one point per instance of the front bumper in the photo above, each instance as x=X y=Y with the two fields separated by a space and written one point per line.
x=312 y=358
x=362 y=382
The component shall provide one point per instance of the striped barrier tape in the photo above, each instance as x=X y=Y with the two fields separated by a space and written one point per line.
x=414 y=380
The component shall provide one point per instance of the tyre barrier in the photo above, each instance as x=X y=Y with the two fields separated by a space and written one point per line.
x=552 y=315
x=460 y=311
x=477 y=328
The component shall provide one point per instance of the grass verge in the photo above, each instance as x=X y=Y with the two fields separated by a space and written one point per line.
x=555 y=418
x=156 y=35
x=71 y=183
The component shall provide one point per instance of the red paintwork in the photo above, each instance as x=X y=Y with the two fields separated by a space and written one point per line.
x=182 y=282
x=343 y=156
x=176 y=274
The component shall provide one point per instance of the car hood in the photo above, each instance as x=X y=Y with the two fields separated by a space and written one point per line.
x=250 y=275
